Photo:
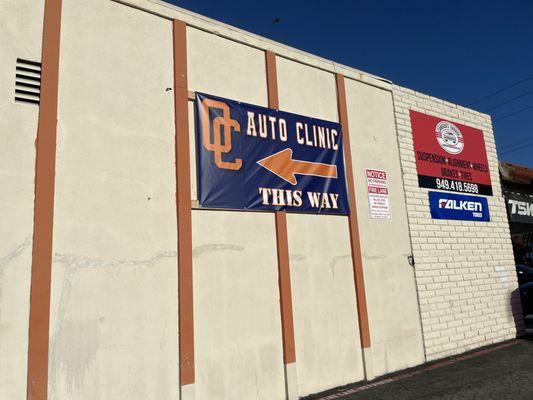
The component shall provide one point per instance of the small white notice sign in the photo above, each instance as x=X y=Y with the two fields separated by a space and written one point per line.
x=378 y=194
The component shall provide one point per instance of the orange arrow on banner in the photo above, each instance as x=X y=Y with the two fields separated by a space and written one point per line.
x=282 y=164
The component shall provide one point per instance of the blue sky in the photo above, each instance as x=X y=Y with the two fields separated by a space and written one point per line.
x=460 y=51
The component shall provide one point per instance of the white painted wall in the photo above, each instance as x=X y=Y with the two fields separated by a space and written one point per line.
x=238 y=340
x=237 y=316
x=328 y=352
x=327 y=340
x=394 y=317
x=225 y=68
x=114 y=286
x=465 y=270
x=306 y=90
x=21 y=25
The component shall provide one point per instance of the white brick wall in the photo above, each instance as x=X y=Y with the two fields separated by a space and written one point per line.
x=464 y=270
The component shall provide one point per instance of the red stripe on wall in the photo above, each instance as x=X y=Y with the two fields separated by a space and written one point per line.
x=284 y=274
x=183 y=204
x=45 y=159
x=355 y=242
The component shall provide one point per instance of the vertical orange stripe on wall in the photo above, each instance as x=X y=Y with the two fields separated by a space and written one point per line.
x=355 y=243
x=287 y=324
x=43 y=224
x=183 y=204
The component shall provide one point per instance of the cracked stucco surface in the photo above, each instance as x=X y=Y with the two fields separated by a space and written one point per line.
x=20 y=30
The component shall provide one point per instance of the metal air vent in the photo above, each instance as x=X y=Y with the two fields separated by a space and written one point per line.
x=28 y=81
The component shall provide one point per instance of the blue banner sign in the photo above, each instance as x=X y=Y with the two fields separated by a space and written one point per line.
x=458 y=207
x=256 y=158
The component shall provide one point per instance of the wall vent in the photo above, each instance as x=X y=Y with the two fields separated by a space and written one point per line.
x=28 y=81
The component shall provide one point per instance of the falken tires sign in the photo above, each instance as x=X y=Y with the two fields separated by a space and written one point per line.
x=256 y=158
x=458 y=207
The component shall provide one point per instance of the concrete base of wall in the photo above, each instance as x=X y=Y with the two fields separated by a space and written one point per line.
x=368 y=364
x=187 y=392
x=291 y=381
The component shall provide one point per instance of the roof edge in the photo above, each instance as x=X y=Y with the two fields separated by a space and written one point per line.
x=516 y=173
x=170 y=11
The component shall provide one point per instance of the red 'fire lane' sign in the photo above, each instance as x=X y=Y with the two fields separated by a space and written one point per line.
x=378 y=194
x=450 y=156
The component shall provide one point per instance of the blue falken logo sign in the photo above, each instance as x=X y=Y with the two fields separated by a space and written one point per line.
x=256 y=158
x=458 y=207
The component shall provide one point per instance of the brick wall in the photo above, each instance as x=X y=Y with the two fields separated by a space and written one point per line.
x=464 y=270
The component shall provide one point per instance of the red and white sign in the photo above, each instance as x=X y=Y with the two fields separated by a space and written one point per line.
x=450 y=156
x=378 y=194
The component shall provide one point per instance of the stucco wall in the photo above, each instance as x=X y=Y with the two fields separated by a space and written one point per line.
x=238 y=341
x=328 y=352
x=113 y=317
x=465 y=270
x=237 y=323
x=114 y=311
x=390 y=286
x=21 y=25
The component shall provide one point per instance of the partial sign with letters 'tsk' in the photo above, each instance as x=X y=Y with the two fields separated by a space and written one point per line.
x=519 y=207
x=256 y=158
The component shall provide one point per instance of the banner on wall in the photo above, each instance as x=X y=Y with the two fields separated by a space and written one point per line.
x=256 y=158
x=458 y=207
x=450 y=156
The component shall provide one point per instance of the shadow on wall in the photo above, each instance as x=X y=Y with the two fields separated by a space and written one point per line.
x=524 y=298
x=517 y=307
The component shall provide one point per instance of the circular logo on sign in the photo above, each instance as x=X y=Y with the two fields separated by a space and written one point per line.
x=449 y=137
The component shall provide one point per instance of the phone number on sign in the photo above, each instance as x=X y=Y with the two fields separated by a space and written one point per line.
x=457 y=186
